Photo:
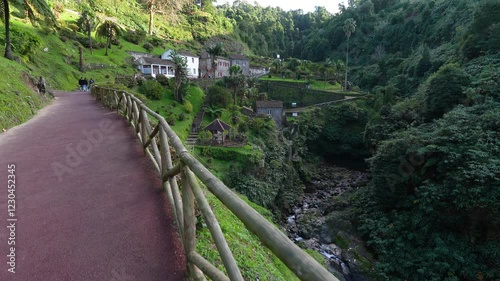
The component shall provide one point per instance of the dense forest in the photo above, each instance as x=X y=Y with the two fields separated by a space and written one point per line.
x=428 y=128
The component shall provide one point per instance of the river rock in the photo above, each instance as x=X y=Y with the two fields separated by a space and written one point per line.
x=323 y=221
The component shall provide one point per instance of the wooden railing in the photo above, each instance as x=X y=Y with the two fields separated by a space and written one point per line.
x=158 y=139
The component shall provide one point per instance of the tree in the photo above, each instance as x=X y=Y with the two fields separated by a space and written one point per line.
x=34 y=9
x=445 y=89
x=424 y=64
x=236 y=81
x=180 y=78
x=218 y=97
x=433 y=198
x=153 y=6
x=109 y=30
x=277 y=63
x=214 y=51
x=87 y=23
x=349 y=27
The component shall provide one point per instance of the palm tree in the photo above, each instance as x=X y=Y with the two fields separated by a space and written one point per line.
x=236 y=81
x=349 y=27
x=214 y=51
x=109 y=30
x=180 y=78
x=34 y=9
x=277 y=63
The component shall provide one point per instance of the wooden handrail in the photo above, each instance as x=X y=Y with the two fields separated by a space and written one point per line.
x=191 y=171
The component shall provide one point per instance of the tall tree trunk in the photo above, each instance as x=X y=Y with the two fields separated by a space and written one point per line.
x=89 y=34
x=80 y=50
x=151 y=13
x=8 y=50
x=107 y=45
x=346 y=61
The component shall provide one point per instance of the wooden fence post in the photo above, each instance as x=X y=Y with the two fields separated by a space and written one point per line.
x=190 y=228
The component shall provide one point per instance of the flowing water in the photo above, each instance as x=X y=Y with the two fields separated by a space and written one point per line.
x=332 y=182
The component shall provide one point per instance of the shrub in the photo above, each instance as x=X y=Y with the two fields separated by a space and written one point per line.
x=181 y=117
x=135 y=36
x=152 y=90
x=445 y=90
x=205 y=137
x=219 y=96
x=148 y=46
x=188 y=106
x=23 y=42
x=162 y=79
x=171 y=119
x=155 y=41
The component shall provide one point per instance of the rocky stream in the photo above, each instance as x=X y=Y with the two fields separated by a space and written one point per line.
x=322 y=222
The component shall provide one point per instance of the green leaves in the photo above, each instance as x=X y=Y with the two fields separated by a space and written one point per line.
x=437 y=189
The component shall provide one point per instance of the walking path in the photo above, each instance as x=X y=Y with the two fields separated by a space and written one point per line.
x=300 y=109
x=86 y=200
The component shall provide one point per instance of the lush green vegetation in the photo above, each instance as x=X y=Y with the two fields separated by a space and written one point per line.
x=254 y=261
x=429 y=125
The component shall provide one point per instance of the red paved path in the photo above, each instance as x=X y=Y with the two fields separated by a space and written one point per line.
x=102 y=221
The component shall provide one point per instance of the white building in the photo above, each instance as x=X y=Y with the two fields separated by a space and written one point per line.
x=192 y=61
x=155 y=66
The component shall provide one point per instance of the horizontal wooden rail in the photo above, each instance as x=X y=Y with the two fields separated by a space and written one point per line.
x=157 y=144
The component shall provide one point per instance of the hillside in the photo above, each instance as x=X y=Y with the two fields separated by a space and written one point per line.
x=427 y=129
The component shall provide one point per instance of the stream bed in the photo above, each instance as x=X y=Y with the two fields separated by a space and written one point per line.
x=321 y=223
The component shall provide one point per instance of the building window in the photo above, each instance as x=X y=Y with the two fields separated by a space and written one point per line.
x=194 y=70
x=192 y=60
x=269 y=111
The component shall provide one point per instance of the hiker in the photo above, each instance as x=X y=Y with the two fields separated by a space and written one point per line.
x=80 y=83
x=85 y=84
x=91 y=82
x=41 y=85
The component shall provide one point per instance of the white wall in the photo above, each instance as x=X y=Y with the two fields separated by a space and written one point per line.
x=193 y=63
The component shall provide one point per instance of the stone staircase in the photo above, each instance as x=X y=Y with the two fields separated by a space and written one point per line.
x=192 y=138
x=195 y=127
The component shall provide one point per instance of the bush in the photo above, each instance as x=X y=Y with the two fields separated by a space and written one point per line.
x=205 y=137
x=162 y=79
x=188 y=106
x=155 y=41
x=444 y=90
x=219 y=97
x=148 y=46
x=181 y=117
x=23 y=42
x=135 y=36
x=152 y=90
x=171 y=119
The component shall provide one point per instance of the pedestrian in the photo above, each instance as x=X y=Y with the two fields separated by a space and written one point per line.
x=91 y=82
x=80 y=83
x=41 y=85
x=85 y=84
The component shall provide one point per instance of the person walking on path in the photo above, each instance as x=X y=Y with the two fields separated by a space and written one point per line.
x=41 y=85
x=91 y=82
x=80 y=83
x=85 y=84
